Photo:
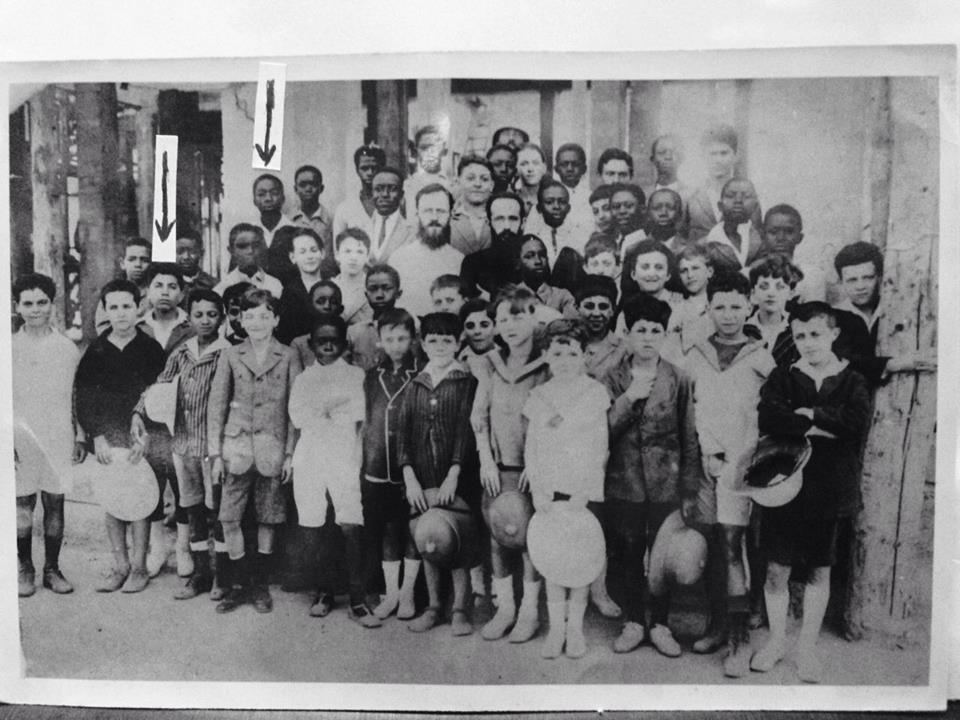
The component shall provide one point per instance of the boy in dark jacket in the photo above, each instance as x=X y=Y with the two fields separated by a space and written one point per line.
x=823 y=398
x=385 y=510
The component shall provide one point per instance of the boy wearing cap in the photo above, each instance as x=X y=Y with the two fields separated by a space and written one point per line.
x=654 y=465
x=822 y=398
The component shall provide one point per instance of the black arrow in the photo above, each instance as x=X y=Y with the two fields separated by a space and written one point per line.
x=164 y=230
x=267 y=155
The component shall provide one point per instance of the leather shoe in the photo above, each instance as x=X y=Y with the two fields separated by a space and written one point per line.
x=54 y=580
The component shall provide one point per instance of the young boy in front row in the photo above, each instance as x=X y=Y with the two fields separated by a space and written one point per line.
x=385 y=509
x=434 y=440
x=114 y=371
x=251 y=445
x=654 y=465
x=823 y=398
x=326 y=406
x=727 y=368
x=194 y=361
x=566 y=448
x=446 y=294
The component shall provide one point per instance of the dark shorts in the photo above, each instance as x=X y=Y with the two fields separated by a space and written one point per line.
x=787 y=538
x=268 y=498
x=160 y=457
x=383 y=503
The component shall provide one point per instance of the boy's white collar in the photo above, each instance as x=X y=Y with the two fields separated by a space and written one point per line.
x=193 y=345
x=438 y=375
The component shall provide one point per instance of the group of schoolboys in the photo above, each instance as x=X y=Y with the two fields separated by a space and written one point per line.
x=543 y=368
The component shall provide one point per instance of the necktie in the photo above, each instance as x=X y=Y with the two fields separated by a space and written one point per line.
x=383 y=233
x=553 y=236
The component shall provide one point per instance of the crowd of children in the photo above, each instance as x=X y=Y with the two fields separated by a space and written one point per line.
x=439 y=344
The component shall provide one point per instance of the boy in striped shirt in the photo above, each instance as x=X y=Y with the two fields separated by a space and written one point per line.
x=195 y=361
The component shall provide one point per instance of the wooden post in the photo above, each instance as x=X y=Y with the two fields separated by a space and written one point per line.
x=391 y=120
x=97 y=161
x=892 y=559
x=877 y=164
x=547 y=99
x=146 y=128
x=646 y=101
x=21 y=193
x=49 y=145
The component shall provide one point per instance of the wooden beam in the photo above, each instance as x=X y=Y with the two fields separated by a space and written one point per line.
x=50 y=160
x=21 y=193
x=645 y=103
x=547 y=101
x=877 y=164
x=892 y=559
x=146 y=128
x=99 y=242
x=391 y=120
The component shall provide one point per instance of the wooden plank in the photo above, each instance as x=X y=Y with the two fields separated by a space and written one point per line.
x=21 y=193
x=97 y=164
x=146 y=128
x=891 y=569
x=547 y=100
x=645 y=103
x=391 y=120
x=877 y=164
x=50 y=161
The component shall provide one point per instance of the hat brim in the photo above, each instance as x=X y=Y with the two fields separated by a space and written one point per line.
x=126 y=491
x=566 y=544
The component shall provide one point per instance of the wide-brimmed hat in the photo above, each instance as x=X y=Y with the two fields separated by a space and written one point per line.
x=566 y=544
x=126 y=491
x=508 y=516
x=160 y=402
x=679 y=552
x=775 y=475
x=445 y=535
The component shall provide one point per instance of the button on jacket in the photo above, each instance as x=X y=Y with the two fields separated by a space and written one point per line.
x=247 y=416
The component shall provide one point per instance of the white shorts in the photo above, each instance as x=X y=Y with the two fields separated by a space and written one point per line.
x=313 y=493
x=721 y=503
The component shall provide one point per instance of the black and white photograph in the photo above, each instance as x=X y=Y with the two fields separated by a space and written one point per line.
x=401 y=384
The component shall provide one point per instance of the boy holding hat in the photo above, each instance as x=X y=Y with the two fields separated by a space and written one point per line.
x=821 y=397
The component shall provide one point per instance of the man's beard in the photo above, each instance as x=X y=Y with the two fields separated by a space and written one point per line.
x=435 y=242
x=506 y=236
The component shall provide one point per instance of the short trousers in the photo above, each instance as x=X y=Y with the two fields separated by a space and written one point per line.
x=160 y=457
x=315 y=494
x=30 y=482
x=718 y=502
x=509 y=480
x=787 y=538
x=192 y=474
x=267 y=498
x=383 y=502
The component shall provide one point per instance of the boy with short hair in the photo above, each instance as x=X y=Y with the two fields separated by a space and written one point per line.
x=665 y=217
x=824 y=399
x=597 y=302
x=772 y=281
x=735 y=238
x=44 y=366
x=194 y=362
x=306 y=255
x=133 y=266
x=433 y=443
x=357 y=210
x=627 y=211
x=446 y=292
x=382 y=287
x=114 y=371
x=690 y=321
x=353 y=253
x=651 y=266
x=505 y=380
x=269 y=198
x=189 y=255
x=308 y=184
x=232 y=330
x=478 y=332
x=385 y=510
x=325 y=299
x=251 y=445
x=533 y=269
x=565 y=453
x=326 y=406
x=615 y=166
x=600 y=205
x=782 y=233
x=650 y=473
x=246 y=245
x=728 y=370
x=166 y=322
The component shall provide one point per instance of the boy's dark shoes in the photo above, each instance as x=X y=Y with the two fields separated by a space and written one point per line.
x=232 y=599
x=261 y=599
x=194 y=586
x=113 y=581
x=737 y=662
x=54 y=580
x=322 y=605
x=136 y=581
x=364 y=616
x=460 y=624
x=26 y=580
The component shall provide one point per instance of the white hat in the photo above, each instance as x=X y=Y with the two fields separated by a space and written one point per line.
x=678 y=552
x=566 y=544
x=775 y=475
x=128 y=492
x=160 y=402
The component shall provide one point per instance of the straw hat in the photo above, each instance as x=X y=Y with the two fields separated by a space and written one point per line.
x=508 y=515
x=775 y=475
x=160 y=402
x=128 y=492
x=445 y=535
x=678 y=552
x=566 y=544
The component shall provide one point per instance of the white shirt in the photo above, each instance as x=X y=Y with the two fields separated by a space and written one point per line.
x=419 y=266
x=162 y=330
x=259 y=279
x=352 y=214
x=567 y=235
x=718 y=235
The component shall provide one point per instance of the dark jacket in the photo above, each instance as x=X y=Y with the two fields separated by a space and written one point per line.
x=383 y=391
x=831 y=479
x=296 y=312
x=435 y=430
x=654 y=454
x=109 y=383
